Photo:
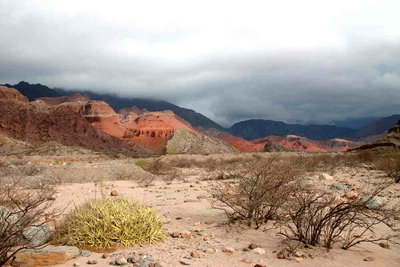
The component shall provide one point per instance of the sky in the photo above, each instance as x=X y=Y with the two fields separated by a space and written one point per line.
x=296 y=61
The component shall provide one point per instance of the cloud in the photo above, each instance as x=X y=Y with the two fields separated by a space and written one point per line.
x=231 y=60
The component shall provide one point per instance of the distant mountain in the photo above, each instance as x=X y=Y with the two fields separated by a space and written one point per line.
x=33 y=91
x=378 y=127
x=354 y=124
x=255 y=129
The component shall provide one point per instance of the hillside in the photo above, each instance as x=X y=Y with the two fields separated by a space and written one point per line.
x=377 y=127
x=255 y=129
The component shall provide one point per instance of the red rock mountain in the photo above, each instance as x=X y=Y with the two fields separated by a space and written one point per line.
x=36 y=122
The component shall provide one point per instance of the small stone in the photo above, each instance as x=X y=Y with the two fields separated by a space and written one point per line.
x=196 y=223
x=283 y=254
x=191 y=201
x=259 y=251
x=246 y=260
x=175 y=234
x=339 y=187
x=185 y=234
x=369 y=259
x=114 y=193
x=105 y=255
x=228 y=250
x=195 y=254
x=121 y=261
x=178 y=218
x=384 y=245
x=85 y=253
x=76 y=264
x=184 y=262
x=209 y=251
x=253 y=246
x=259 y=265
x=202 y=197
x=209 y=222
x=91 y=262
x=143 y=264
x=325 y=176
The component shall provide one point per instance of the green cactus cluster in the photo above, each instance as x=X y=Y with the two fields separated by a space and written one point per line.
x=110 y=223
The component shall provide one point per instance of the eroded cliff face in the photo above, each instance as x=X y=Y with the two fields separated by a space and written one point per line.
x=36 y=122
x=291 y=142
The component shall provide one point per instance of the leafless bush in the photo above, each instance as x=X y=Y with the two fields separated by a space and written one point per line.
x=170 y=177
x=391 y=166
x=145 y=180
x=258 y=191
x=123 y=174
x=21 y=211
x=323 y=219
x=156 y=167
x=31 y=170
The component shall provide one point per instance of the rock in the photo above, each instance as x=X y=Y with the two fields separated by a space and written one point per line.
x=259 y=265
x=209 y=251
x=369 y=259
x=114 y=193
x=185 y=234
x=253 y=246
x=85 y=253
x=121 y=261
x=184 y=262
x=76 y=264
x=246 y=260
x=340 y=187
x=91 y=262
x=384 y=245
x=143 y=264
x=202 y=197
x=195 y=254
x=105 y=255
x=259 y=251
x=325 y=176
x=37 y=235
x=45 y=256
x=228 y=250
x=283 y=254
x=209 y=222
x=372 y=201
x=352 y=195
x=191 y=201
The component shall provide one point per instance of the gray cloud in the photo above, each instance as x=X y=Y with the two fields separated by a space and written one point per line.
x=359 y=76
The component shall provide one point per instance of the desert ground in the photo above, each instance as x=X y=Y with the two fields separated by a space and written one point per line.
x=198 y=233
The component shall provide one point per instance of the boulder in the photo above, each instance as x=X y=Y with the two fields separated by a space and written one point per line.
x=47 y=256
x=37 y=235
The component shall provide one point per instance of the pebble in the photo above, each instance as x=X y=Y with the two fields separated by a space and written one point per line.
x=246 y=260
x=121 y=261
x=384 y=245
x=253 y=246
x=114 y=193
x=91 y=262
x=85 y=253
x=209 y=251
x=259 y=251
x=259 y=265
x=76 y=264
x=195 y=254
x=369 y=259
x=228 y=250
x=105 y=256
x=184 y=262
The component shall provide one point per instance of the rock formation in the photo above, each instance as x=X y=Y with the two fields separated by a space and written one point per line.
x=189 y=142
x=390 y=142
x=37 y=123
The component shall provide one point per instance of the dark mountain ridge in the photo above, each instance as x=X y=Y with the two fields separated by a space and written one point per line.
x=254 y=129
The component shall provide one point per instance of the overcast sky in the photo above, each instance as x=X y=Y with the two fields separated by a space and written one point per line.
x=303 y=61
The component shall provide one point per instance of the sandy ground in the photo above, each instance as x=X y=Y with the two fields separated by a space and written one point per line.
x=187 y=206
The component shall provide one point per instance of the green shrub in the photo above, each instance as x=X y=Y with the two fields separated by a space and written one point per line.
x=142 y=163
x=110 y=223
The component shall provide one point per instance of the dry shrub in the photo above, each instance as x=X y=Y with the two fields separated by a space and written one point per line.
x=124 y=173
x=258 y=191
x=390 y=164
x=145 y=180
x=31 y=170
x=170 y=177
x=324 y=219
x=21 y=210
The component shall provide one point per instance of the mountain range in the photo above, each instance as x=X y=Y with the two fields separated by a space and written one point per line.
x=249 y=135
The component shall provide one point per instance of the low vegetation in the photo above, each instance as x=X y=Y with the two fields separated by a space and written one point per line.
x=324 y=219
x=110 y=223
x=390 y=164
x=22 y=211
x=258 y=191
